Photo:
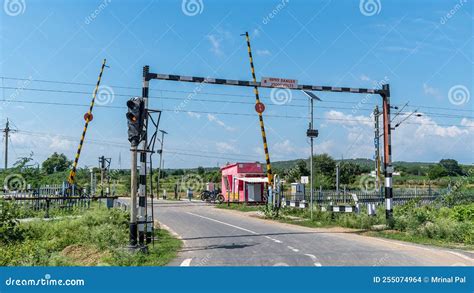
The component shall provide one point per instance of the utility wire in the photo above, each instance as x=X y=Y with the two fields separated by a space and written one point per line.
x=231 y=113
x=207 y=93
x=234 y=102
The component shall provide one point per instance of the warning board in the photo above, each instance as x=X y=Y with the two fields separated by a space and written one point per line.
x=279 y=82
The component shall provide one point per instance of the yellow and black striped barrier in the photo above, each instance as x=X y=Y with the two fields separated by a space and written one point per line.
x=260 y=115
x=88 y=117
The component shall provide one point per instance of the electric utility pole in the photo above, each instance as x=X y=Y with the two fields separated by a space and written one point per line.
x=311 y=133
x=104 y=165
x=161 y=158
x=377 y=148
x=6 y=130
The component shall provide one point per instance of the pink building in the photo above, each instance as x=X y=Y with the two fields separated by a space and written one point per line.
x=244 y=182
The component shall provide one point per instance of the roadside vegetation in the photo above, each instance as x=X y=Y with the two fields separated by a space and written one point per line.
x=98 y=237
x=448 y=222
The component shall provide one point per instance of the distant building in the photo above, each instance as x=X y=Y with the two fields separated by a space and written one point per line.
x=244 y=182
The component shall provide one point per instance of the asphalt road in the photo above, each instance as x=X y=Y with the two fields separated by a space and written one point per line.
x=216 y=237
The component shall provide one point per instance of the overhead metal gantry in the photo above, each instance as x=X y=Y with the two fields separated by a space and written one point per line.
x=384 y=92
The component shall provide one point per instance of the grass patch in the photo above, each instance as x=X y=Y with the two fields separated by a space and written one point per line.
x=98 y=237
x=404 y=236
x=434 y=224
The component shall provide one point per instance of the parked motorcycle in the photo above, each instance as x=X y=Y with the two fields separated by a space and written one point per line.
x=212 y=196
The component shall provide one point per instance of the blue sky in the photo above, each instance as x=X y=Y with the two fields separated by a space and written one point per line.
x=423 y=49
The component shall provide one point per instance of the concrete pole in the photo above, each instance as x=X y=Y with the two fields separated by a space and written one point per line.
x=377 y=148
x=142 y=175
x=388 y=169
x=311 y=164
x=133 y=198
x=337 y=179
x=92 y=181
x=159 y=170
x=7 y=132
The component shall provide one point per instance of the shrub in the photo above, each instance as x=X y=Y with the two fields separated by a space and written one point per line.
x=9 y=228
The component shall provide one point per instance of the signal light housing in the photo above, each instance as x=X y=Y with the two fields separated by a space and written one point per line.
x=135 y=120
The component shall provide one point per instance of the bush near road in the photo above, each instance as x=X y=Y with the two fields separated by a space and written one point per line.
x=442 y=223
x=98 y=237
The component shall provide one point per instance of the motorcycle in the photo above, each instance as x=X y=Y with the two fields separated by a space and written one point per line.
x=212 y=196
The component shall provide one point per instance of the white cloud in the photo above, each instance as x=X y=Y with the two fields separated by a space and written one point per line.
x=416 y=139
x=215 y=42
x=364 y=77
x=336 y=117
x=429 y=127
x=285 y=147
x=431 y=91
x=193 y=114
x=59 y=144
x=467 y=122
x=263 y=52
x=213 y=118
x=256 y=33
x=217 y=39
x=226 y=147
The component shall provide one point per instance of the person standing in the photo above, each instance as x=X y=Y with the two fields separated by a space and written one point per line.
x=190 y=193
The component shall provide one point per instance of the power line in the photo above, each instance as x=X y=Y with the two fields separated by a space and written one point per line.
x=207 y=93
x=127 y=146
x=230 y=113
x=445 y=115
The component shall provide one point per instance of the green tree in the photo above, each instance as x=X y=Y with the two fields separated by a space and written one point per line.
x=178 y=172
x=348 y=172
x=437 y=171
x=452 y=167
x=56 y=163
x=324 y=164
x=201 y=170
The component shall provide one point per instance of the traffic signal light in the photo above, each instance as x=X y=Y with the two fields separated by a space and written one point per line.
x=135 y=118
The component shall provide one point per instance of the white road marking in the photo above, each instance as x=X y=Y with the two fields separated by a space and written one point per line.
x=273 y=239
x=293 y=249
x=427 y=249
x=460 y=255
x=281 y=264
x=223 y=223
x=314 y=259
x=171 y=231
x=186 y=262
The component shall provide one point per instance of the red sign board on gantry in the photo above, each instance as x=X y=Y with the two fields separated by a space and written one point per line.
x=279 y=82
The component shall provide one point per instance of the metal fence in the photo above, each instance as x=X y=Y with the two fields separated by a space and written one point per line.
x=333 y=197
x=46 y=198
